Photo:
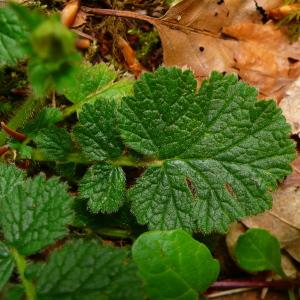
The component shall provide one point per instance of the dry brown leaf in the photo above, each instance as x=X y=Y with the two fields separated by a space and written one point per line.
x=283 y=220
x=290 y=106
x=229 y=36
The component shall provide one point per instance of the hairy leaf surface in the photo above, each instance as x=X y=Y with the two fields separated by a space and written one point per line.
x=104 y=187
x=36 y=214
x=86 y=270
x=223 y=145
x=6 y=264
x=97 y=132
x=174 y=265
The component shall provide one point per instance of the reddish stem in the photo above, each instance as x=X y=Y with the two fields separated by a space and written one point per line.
x=254 y=283
x=119 y=13
x=3 y=149
x=17 y=135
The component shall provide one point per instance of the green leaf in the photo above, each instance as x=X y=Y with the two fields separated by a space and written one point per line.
x=16 y=292
x=258 y=250
x=97 y=132
x=48 y=117
x=55 y=143
x=96 y=82
x=6 y=264
x=53 y=57
x=10 y=178
x=36 y=214
x=104 y=187
x=222 y=144
x=174 y=265
x=12 y=32
x=86 y=270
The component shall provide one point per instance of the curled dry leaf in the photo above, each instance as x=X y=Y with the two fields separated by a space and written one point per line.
x=68 y=14
x=283 y=220
x=230 y=36
x=290 y=106
x=129 y=56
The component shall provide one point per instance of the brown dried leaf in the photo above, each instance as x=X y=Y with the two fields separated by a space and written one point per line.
x=229 y=36
x=290 y=106
x=283 y=220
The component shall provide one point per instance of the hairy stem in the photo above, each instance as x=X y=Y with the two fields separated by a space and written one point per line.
x=26 y=110
x=117 y=233
x=21 y=267
x=122 y=161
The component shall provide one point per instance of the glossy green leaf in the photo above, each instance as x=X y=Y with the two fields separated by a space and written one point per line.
x=258 y=250
x=222 y=144
x=36 y=214
x=97 y=131
x=6 y=264
x=12 y=32
x=174 y=265
x=86 y=270
x=104 y=187
x=55 y=143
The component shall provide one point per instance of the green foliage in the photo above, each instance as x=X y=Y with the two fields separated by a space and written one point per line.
x=55 y=143
x=258 y=250
x=221 y=151
x=85 y=270
x=174 y=265
x=49 y=46
x=35 y=214
x=175 y=155
x=96 y=131
x=104 y=188
x=12 y=32
x=46 y=118
x=95 y=82
x=6 y=264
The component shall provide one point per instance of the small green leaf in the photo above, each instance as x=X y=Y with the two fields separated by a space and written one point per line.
x=6 y=264
x=55 y=143
x=174 y=265
x=220 y=143
x=36 y=214
x=96 y=82
x=104 y=187
x=12 y=32
x=16 y=292
x=86 y=270
x=258 y=250
x=97 y=131
x=48 y=117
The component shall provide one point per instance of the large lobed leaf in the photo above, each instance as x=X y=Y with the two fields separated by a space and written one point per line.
x=221 y=150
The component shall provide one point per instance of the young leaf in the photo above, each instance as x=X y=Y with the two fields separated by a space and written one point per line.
x=258 y=250
x=35 y=214
x=48 y=117
x=222 y=144
x=12 y=32
x=174 y=265
x=55 y=143
x=96 y=82
x=97 y=132
x=6 y=264
x=86 y=270
x=104 y=187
